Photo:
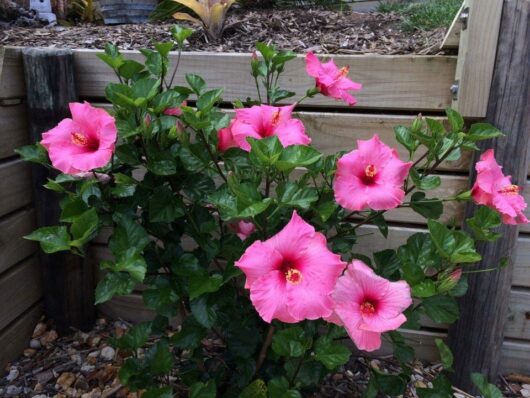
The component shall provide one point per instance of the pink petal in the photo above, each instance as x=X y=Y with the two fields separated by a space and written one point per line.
x=240 y=132
x=365 y=340
x=268 y=295
x=259 y=259
x=383 y=197
x=348 y=192
x=308 y=300
x=292 y=132
x=295 y=237
x=312 y=65
x=225 y=139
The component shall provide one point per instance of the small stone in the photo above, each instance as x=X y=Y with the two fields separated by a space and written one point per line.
x=40 y=396
x=119 y=331
x=93 y=341
x=101 y=321
x=38 y=387
x=13 y=374
x=86 y=368
x=457 y=395
x=65 y=380
x=29 y=352
x=337 y=377
x=526 y=386
x=13 y=390
x=49 y=337
x=108 y=353
x=35 y=344
x=77 y=359
x=81 y=384
x=39 y=330
x=420 y=384
x=525 y=393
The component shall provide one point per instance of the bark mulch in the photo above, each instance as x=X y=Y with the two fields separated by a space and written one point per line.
x=300 y=30
x=84 y=365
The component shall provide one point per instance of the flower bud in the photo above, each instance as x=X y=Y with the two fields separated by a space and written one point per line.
x=450 y=281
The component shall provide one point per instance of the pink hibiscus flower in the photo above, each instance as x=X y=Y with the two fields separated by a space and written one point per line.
x=242 y=229
x=225 y=139
x=370 y=176
x=265 y=121
x=83 y=143
x=368 y=305
x=291 y=275
x=330 y=80
x=493 y=189
x=176 y=111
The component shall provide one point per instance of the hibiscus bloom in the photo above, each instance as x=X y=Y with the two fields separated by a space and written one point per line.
x=370 y=176
x=83 y=143
x=368 y=305
x=264 y=121
x=493 y=189
x=242 y=229
x=292 y=274
x=225 y=139
x=330 y=80
x=176 y=111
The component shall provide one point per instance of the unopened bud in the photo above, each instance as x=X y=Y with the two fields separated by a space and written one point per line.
x=450 y=281
x=147 y=120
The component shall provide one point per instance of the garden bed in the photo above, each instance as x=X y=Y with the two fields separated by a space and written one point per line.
x=85 y=365
x=298 y=30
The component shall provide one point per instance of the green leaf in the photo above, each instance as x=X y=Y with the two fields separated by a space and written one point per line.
x=164 y=206
x=197 y=84
x=127 y=234
x=162 y=298
x=291 y=195
x=266 y=51
x=84 y=227
x=190 y=335
x=441 y=388
x=256 y=389
x=35 y=153
x=455 y=119
x=330 y=353
x=428 y=208
x=455 y=246
x=485 y=388
x=483 y=220
x=130 y=262
x=441 y=309
x=279 y=388
x=436 y=127
x=125 y=186
x=72 y=208
x=445 y=354
x=200 y=284
x=135 y=337
x=425 y=183
x=162 y=392
x=207 y=100
x=146 y=88
x=405 y=138
x=160 y=358
x=129 y=68
x=426 y=288
x=387 y=262
x=204 y=312
x=180 y=34
x=392 y=385
x=114 y=284
x=265 y=152
x=482 y=131
x=164 y=48
x=51 y=239
x=291 y=342
x=297 y=156
x=202 y=390
x=417 y=256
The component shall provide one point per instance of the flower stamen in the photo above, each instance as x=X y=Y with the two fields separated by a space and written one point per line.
x=293 y=276
x=344 y=71
x=370 y=171
x=275 y=118
x=367 y=308
x=79 y=139
x=510 y=190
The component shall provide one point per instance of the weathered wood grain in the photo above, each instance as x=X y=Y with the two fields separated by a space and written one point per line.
x=13 y=133
x=476 y=57
x=11 y=74
x=389 y=82
x=21 y=287
x=452 y=37
x=16 y=336
x=13 y=248
x=50 y=87
x=15 y=186
x=508 y=109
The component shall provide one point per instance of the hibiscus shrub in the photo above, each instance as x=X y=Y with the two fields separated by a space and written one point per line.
x=241 y=231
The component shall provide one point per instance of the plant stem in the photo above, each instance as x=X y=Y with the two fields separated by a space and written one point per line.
x=297 y=370
x=176 y=68
x=257 y=88
x=263 y=352
x=212 y=156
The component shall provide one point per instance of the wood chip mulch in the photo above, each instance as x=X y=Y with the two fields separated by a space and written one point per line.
x=300 y=30
x=84 y=365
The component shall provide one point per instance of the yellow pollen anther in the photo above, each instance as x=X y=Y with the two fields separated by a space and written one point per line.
x=275 y=118
x=293 y=276
x=79 y=139
x=344 y=71
x=367 y=308
x=510 y=190
x=370 y=171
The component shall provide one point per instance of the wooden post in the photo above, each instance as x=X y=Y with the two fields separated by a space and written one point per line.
x=68 y=279
x=477 y=337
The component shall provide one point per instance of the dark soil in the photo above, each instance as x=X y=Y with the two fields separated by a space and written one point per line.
x=300 y=30
x=84 y=365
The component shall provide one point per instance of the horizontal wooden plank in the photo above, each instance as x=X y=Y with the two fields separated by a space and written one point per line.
x=13 y=248
x=371 y=241
x=15 y=338
x=389 y=82
x=15 y=186
x=13 y=133
x=21 y=287
x=518 y=324
x=11 y=73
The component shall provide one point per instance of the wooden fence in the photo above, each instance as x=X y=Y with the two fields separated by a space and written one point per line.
x=395 y=88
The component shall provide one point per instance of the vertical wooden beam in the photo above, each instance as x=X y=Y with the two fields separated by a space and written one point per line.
x=68 y=279
x=476 y=56
x=477 y=337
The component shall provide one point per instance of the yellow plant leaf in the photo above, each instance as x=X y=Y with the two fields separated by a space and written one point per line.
x=196 y=7
x=186 y=17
